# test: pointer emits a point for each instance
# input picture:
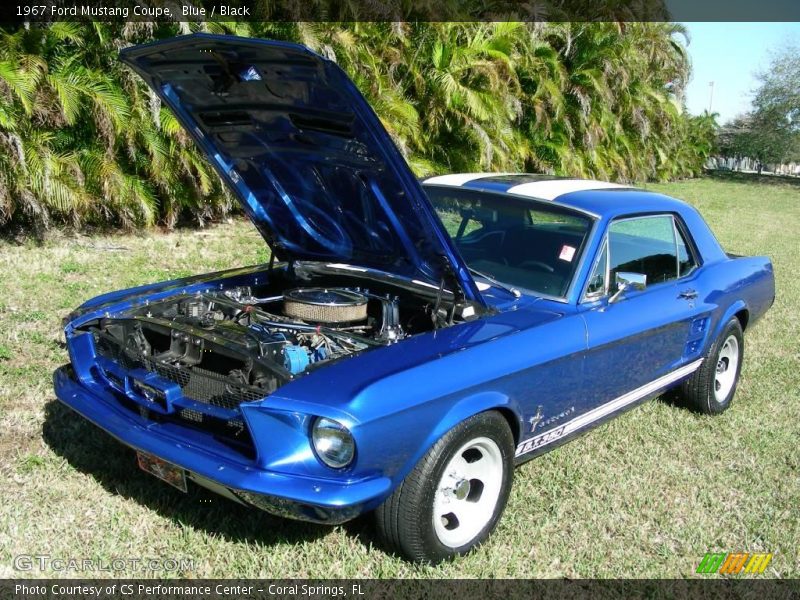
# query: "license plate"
(165, 471)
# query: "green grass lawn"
(646, 495)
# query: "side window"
(686, 262)
(645, 245)
(597, 281)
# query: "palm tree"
(83, 140)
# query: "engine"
(231, 341)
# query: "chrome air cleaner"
(325, 305)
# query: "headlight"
(333, 443)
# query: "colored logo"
(733, 563)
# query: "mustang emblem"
(535, 419)
(539, 421)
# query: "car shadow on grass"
(92, 451)
(674, 397)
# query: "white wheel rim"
(726, 368)
(467, 494)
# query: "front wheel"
(454, 497)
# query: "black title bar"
(369, 589)
(164, 11)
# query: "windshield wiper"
(511, 290)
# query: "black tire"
(703, 390)
(405, 521)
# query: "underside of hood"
(304, 153)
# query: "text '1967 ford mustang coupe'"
(409, 342)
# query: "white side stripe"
(552, 189)
(605, 409)
(461, 178)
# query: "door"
(640, 340)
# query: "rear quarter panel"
(742, 286)
(729, 285)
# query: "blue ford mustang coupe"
(409, 343)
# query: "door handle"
(688, 294)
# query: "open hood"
(305, 154)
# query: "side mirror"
(625, 280)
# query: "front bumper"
(285, 495)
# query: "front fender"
(462, 410)
(472, 405)
(418, 390)
(408, 439)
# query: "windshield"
(522, 244)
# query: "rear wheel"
(454, 497)
(711, 388)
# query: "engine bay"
(239, 343)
